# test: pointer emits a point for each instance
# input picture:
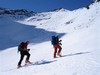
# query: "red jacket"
(23, 45)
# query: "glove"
(60, 40)
(60, 43)
(28, 49)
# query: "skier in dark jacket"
(22, 48)
(56, 44)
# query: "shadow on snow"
(80, 53)
(42, 62)
(12, 33)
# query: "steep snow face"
(48, 20)
(70, 20)
(80, 43)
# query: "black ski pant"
(23, 53)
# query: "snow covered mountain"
(78, 29)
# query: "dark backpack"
(54, 40)
(20, 46)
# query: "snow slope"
(80, 46)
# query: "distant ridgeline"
(4, 11)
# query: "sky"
(44, 5)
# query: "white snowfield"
(80, 35)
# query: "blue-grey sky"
(44, 5)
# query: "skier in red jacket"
(23, 51)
